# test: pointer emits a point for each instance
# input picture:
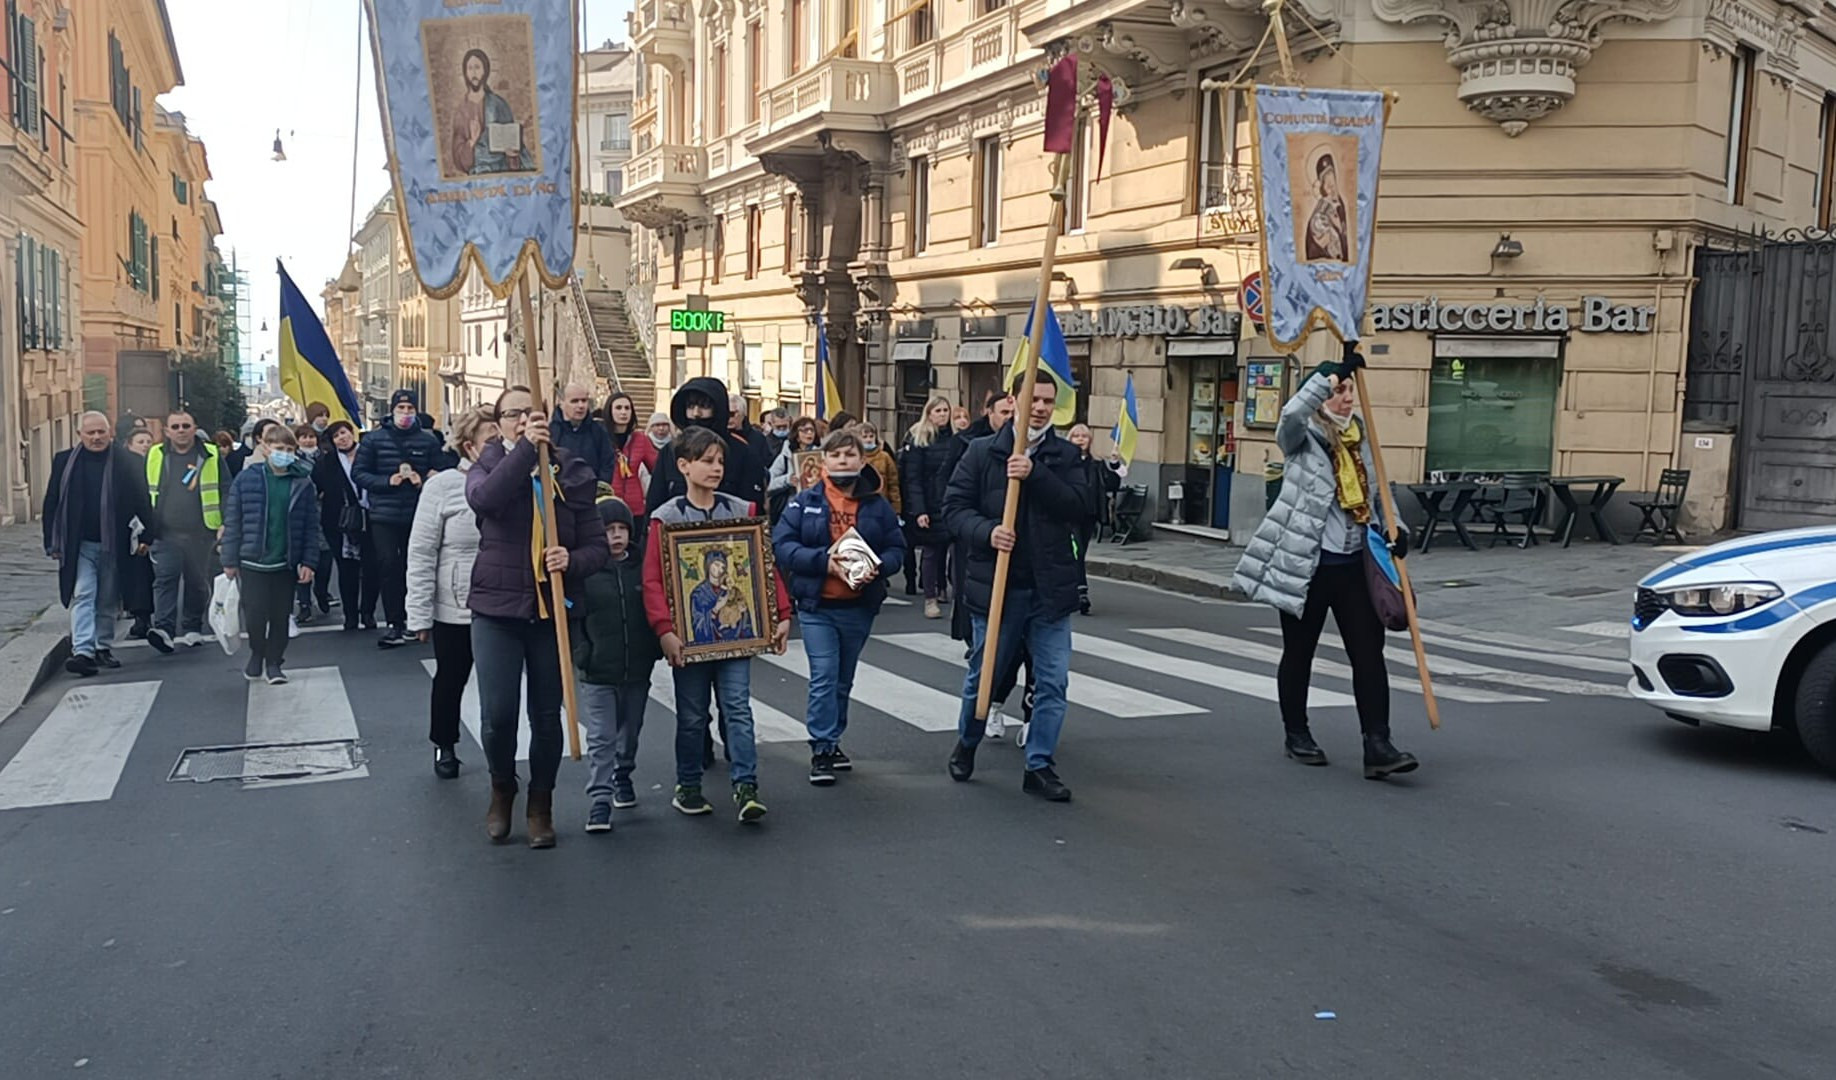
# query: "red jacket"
(625, 482)
(675, 511)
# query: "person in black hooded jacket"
(702, 402)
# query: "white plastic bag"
(226, 613)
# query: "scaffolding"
(233, 328)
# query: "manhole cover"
(267, 761)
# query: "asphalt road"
(1572, 886)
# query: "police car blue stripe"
(1776, 612)
(1729, 554)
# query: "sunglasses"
(180, 427)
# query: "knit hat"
(613, 511)
(402, 395)
(659, 417)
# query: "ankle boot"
(497, 818)
(541, 819)
(1382, 760)
(1299, 746)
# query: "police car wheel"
(1815, 712)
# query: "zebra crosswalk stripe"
(923, 707)
(1101, 695)
(1256, 650)
(78, 753)
(311, 706)
(769, 725)
(1204, 674)
(1442, 664)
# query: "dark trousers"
(505, 650)
(320, 585)
(267, 601)
(930, 558)
(452, 644)
(389, 544)
(1338, 587)
(137, 586)
(184, 568)
(1085, 533)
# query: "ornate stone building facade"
(1551, 171)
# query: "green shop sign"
(698, 322)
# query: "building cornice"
(1517, 58)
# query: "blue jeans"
(94, 600)
(1048, 642)
(730, 682)
(833, 637)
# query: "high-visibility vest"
(210, 483)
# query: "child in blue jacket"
(837, 617)
(271, 545)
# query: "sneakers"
(160, 640)
(932, 609)
(1045, 784)
(106, 658)
(689, 800)
(822, 769)
(392, 637)
(1026, 729)
(293, 627)
(81, 665)
(192, 639)
(997, 724)
(446, 763)
(1382, 760)
(599, 818)
(252, 670)
(746, 797)
(306, 616)
(841, 761)
(276, 677)
(624, 796)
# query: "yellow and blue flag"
(309, 368)
(828, 394)
(1128, 425)
(1054, 364)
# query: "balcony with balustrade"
(663, 186)
(663, 32)
(838, 104)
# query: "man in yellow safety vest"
(185, 477)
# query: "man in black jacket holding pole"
(1042, 575)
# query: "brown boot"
(497, 818)
(541, 819)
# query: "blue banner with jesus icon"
(1317, 154)
(478, 114)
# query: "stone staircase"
(612, 327)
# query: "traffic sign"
(1249, 297)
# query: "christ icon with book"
(485, 137)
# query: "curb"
(29, 660)
(1173, 579)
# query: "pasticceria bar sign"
(1598, 315)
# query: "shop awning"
(1201, 346)
(978, 352)
(1447, 346)
(911, 350)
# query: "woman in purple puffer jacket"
(513, 632)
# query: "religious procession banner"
(1317, 154)
(478, 114)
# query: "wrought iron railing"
(602, 358)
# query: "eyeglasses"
(180, 427)
(512, 414)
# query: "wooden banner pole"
(1010, 511)
(1402, 567)
(551, 494)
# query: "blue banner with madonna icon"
(478, 114)
(1317, 154)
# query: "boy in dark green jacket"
(615, 652)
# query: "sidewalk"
(33, 629)
(1578, 599)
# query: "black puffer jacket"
(1054, 500)
(923, 476)
(381, 453)
(745, 473)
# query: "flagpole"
(1010, 512)
(550, 483)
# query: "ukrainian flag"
(1128, 425)
(1054, 363)
(309, 368)
(828, 394)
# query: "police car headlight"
(1713, 600)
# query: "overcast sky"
(253, 67)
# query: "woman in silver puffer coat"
(1307, 559)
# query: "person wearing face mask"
(702, 402)
(777, 432)
(318, 417)
(343, 521)
(270, 545)
(621, 428)
(647, 451)
(837, 614)
(782, 482)
(881, 460)
(1307, 559)
(390, 467)
(1041, 578)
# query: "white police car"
(1744, 634)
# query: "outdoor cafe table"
(1604, 487)
(1434, 500)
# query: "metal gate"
(1760, 361)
